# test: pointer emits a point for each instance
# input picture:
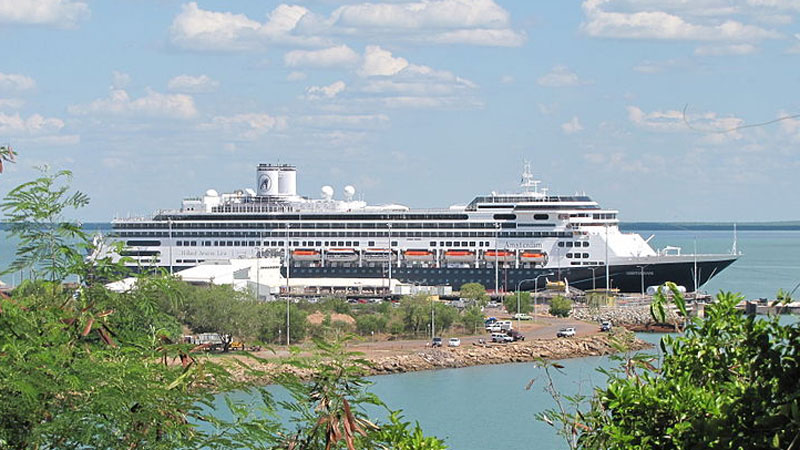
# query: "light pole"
(641, 270)
(536, 287)
(288, 289)
(389, 225)
(593, 269)
(433, 319)
(496, 265)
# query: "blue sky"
(426, 103)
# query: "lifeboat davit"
(459, 256)
(498, 255)
(533, 256)
(306, 254)
(418, 255)
(379, 255)
(341, 255)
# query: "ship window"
(541, 216)
(194, 243)
(569, 255)
(586, 244)
(578, 244)
(355, 244)
(432, 243)
(472, 244)
(585, 255)
(449, 243)
(371, 243)
(561, 244)
(456, 244)
(394, 244)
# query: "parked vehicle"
(505, 325)
(516, 335)
(566, 332)
(490, 320)
(494, 328)
(454, 342)
(605, 325)
(501, 338)
(522, 316)
(437, 342)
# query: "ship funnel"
(276, 180)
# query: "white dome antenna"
(349, 192)
(327, 192)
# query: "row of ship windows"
(297, 243)
(577, 255)
(348, 234)
(319, 226)
(573, 244)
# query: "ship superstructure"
(503, 241)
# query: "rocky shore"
(634, 317)
(475, 355)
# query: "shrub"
(560, 306)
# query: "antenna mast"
(528, 184)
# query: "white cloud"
(193, 84)
(51, 140)
(560, 76)
(33, 125)
(198, 29)
(472, 22)
(120, 80)
(330, 91)
(11, 103)
(339, 56)
(572, 127)
(640, 20)
(380, 62)
(296, 76)
(153, 104)
(722, 50)
(675, 121)
(344, 120)
(16, 82)
(248, 126)
(62, 13)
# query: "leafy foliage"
(560, 306)
(475, 292)
(525, 303)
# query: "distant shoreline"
(624, 226)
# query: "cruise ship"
(502, 241)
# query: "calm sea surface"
(488, 407)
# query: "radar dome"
(212, 193)
(349, 192)
(327, 192)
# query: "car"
(522, 316)
(454, 342)
(505, 325)
(566, 332)
(501, 338)
(605, 325)
(494, 328)
(437, 342)
(490, 321)
(516, 335)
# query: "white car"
(454, 342)
(522, 316)
(566, 332)
(494, 328)
(502, 338)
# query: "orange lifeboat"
(533, 256)
(379, 255)
(418, 255)
(459, 256)
(498, 255)
(306, 254)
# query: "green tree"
(272, 323)
(445, 316)
(368, 324)
(525, 303)
(474, 292)
(35, 211)
(472, 319)
(6, 154)
(416, 313)
(560, 306)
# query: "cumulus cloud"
(35, 129)
(193, 84)
(344, 120)
(120, 80)
(198, 29)
(338, 56)
(472, 22)
(11, 103)
(16, 82)
(380, 62)
(152, 104)
(638, 19)
(717, 128)
(722, 50)
(248, 126)
(329, 91)
(61, 13)
(560, 76)
(572, 127)
(296, 76)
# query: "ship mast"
(528, 184)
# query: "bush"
(560, 306)
(525, 303)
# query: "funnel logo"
(264, 183)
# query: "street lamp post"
(496, 265)
(594, 285)
(535, 289)
(641, 270)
